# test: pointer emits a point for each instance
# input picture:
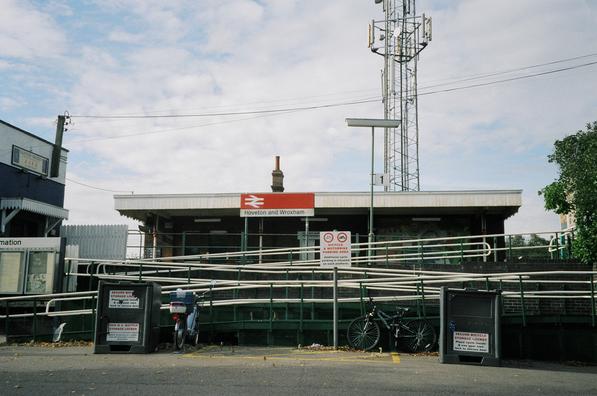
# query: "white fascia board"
(423, 199)
(420, 199)
(177, 201)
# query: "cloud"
(227, 25)
(26, 32)
(91, 206)
(161, 21)
(155, 57)
(472, 40)
(5, 65)
(532, 217)
(160, 79)
(7, 103)
(121, 36)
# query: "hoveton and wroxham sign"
(277, 205)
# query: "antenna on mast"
(399, 38)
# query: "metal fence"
(98, 241)
(288, 285)
(541, 245)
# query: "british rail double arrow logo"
(254, 201)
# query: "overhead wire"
(509, 79)
(259, 115)
(288, 110)
(448, 82)
(268, 112)
(329, 105)
(455, 80)
(230, 113)
(276, 102)
(273, 112)
(98, 188)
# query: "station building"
(184, 224)
(31, 186)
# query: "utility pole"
(57, 150)
(399, 38)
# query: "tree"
(575, 190)
(536, 240)
(517, 241)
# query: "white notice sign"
(471, 342)
(334, 248)
(123, 299)
(123, 332)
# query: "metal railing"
(300, 284)
(551, 244)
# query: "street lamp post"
(372, 123)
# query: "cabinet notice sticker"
(471, 342)
(123, 332)
(123, 299)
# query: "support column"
(260, 238)
(370, 250)
(335, 308)
(483, 232)
(6, 218)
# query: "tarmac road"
(214, 370)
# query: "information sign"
(471, 342)
(123, 299)
(123, 332)
(334, 248)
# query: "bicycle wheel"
(417, 336)
(363, 333)
(180, 336)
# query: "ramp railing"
(394, 272)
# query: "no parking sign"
(334, 248)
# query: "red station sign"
(277, 205)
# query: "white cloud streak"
(27, 33)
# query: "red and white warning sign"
(123, 299)
(334, 248)
(471, 342)
(123, 332)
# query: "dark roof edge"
(30, 134)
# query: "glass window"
(40, 273)
(11, 272)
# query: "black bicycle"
(416, 335)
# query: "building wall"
(11, 135)
(19, 183)
(16, 182)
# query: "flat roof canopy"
(504, 202)
(31, 205)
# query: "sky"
(200, 57)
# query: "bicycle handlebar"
(400, 310)
(198, 298)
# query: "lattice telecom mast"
(399, 38)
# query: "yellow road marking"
(395, 357)
(296, 358)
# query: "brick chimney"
(277, 177)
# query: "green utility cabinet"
(127, 317)
(470, 327)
